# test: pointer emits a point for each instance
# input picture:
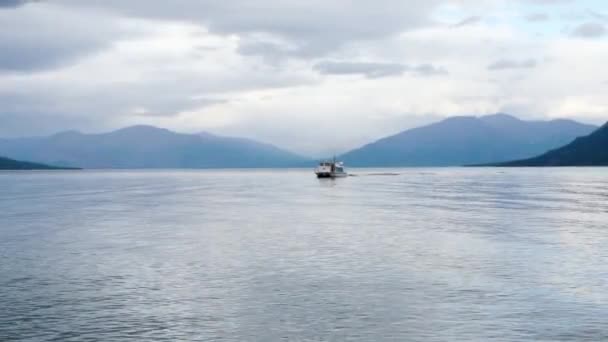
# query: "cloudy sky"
(314, 76)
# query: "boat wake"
(374, 174)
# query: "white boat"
(330, 169)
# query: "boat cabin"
(330, 170)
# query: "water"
(423, 255)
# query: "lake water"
(449, 254)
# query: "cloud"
(590, 30)
(468, 21)
(375, 70)
(369, 70)
(199, 103)
(428, 70)
(537, 17)
(170, 70)
(33, 39)
(14, 3)
(308, 28)
(505, 64)
(597, 15)
(272, 52)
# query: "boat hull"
(331, 175)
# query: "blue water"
(423, 255)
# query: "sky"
(316, 77)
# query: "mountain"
(148, 147)
(11, 164)
(591, 150)
(467, 140)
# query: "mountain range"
(455, 141)
(591, 150)
(11, 164)
(467, 140)
(148, 147)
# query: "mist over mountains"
(454, 141)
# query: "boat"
(330, 169)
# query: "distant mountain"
(148, 147)
(11, 164)
(591, 150)
(467, 140)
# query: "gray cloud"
(505, 64)
(369, 70)
(36, 41)
(428, 70)
(375, 70)
(537, 17)
(308, 28)
(590, 30)
(272, 53)
(468, 21)
(14, 3)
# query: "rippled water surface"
(423, 255)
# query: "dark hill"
(11, 164)
(591, 150)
